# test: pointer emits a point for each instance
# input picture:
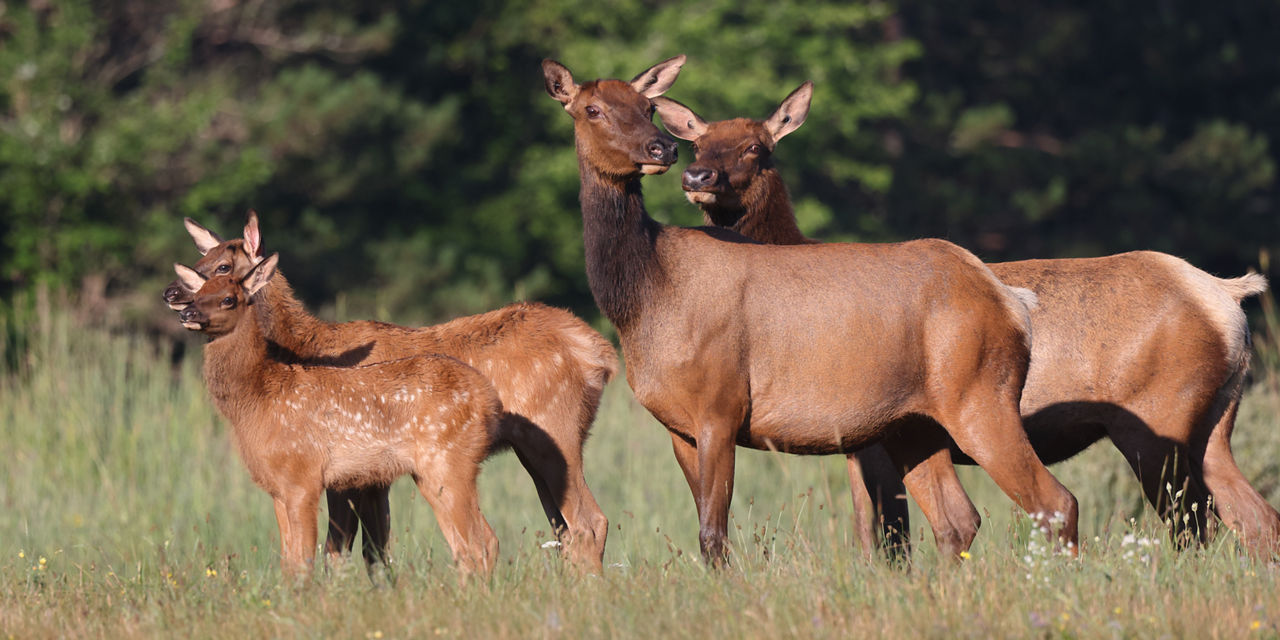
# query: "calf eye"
(228, 302)
(755, 149)
(592, 112)
(223, 268)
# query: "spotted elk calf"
(549, 368)
(1140, 347)
(300, 429)
(815, 349)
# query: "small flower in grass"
(965, 555)
(374, 634)
(266, 602)
(22, 553)
(1117, 611)
(44, 562)
(1257, 624)
(211, 572)
(551, 544)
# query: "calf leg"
(450, 488)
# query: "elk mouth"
(701, 197)
(194, 326)
(652, 169)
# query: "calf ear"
(680, 120)
(260, 274)
(253, 238)
(655, 80)
(559, 82)
(189, 278)
(791, 114)
(204, 238)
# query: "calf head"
(220, 257)
(221, 302)
(613, 120)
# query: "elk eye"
(694, 146)
(755, 149)
(592, 112)
(223, 268)
(228, 302)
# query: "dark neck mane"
(619, 238)
(764, 215)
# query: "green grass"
(124, 512)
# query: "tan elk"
(1141, 347)
(806, 349)
(300, 429)
(549, 368)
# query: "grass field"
(124, 512)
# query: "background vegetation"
(405, 159)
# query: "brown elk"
(300, 429)
(548, 366)
(812, 350)
(1140, 347)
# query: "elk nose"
(171, 293)
(188, 315)
(695, 178)
(662, 149)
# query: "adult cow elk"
(300, 429)
(1141, 347)
(812, 350)
(548, 366)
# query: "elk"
(300, 429)
(1141, 347)
(549, 368)
(815, 349)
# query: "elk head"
(220, 302)
(231, 257)
(730, 155)
(613, 120)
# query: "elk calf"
(1141, 347)
(549, 368)
(302, 429)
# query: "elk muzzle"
(663, 153)
(176, 296)
(192, 318)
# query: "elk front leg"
(296, 511)
(716, 449)
(879, 498)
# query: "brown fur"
(812, 350)
(548, 366)
(301, 429)
(1140, 347)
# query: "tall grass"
(125, 512)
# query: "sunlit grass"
(125, 512)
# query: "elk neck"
(236, 368)
(284, 320)
(620, 241)
(763, 212)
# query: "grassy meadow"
(124, 512)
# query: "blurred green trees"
(407, 163)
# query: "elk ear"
(253, 238)
(204, 238)
(655, 80)
(189, 278)
(260, 275)
(559, 82)
(791, 114)
(680, 120)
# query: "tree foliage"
(406, 162)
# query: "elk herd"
(906, 358)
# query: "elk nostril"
(656, 150)
(170, 294)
